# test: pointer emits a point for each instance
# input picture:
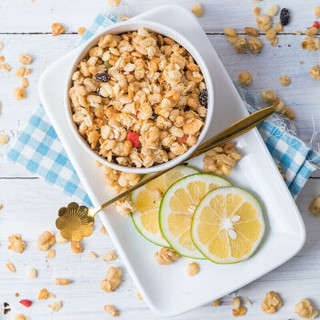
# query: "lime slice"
(177, 208)
(147, 201)
(228, 225)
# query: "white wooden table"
(30, 204)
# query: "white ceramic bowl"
(183, 41)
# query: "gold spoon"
(76, 222)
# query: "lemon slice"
(177, 208)
(147, 201)
(228, 225)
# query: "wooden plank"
(29, 208)
(40, 15)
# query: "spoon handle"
(238, 128)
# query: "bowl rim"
(128, 26)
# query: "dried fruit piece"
(26, 303)
(57, 29)
(284, 16)
(245, 78)
(197, 9)
(316, 24)
(203, 97)
(103, 77)
(271, 303)
(315, 204)
(192, 269)
(112, 310)
(10, 266)
(305, 310)
(133, 137)
(285, 80)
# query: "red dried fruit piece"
(26, 303)
(133, 137)
(316, 24)
(184, 138)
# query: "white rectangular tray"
(167, 289)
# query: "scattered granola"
(43, 294)
(271, 303)
(19, 93)
(114, 2)
(251, 31)
(305, 310)
(32, 273)
(315, 206)
(317, 11)
(221, 159)
(112, 310)
(24, 59)
(2, 59)
(24, 83)
(19, 317)
(51, 254)
(112, 279)
(22, 72)
(109, 256)
(124, 207)
(1, 45)
(76, 247)
(139, 295)
(166, 256)
(118, 181)
(264, 22)
(240, 44)
(255, 45)
(46, 240)
(60, 239)
(256, 11)
(16, 244)
(278, 27)
(61, 282)
(312, 31)
(237, 309)
(197, 9)
(245, 78)
(134, 94)
(103, 230)
(216, 303)
(273, 10)
(285, 80)
(192, 269)
(81, 30)
(57, 29)
(10, 266)
(5, 67)
(3, 139)
(124, 18)
(56, 306)
(311, 43)
(314, 72)
(93, 255)
(271, 34)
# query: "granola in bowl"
(139, 99)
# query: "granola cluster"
(139, 99)
(16, 243)
(238, 310)
(112, 279)
(221, 160)
(271, 303)
(305, 310)
(166, 256)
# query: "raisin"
(187, 108)
(203, 97)
(103, 77)
(284, 16)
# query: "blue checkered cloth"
(39, 150)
